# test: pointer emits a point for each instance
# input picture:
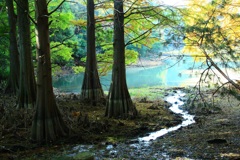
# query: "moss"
(84, 156)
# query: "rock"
(109, 147)
(217, 141)
(73, 96)
(166, 94)
(167, 104)
(132, 141)
(113, 153)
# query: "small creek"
(141, 147)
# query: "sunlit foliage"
(61, 34)
(212, 30)
(144, 24)
(105, 60)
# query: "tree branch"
(140, 37)
(56, 7)
(62, 42)
(33, 21)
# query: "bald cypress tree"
(91, 87)
(47, 124)
(27, 83)
(13, 81)
(119, 104)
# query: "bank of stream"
(140, 147)
(104, 135)
(215, 135)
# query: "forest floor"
(215, 135)
(87, 122)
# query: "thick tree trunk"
(27, 84)
(91, 87)
(119, 103)
(13, 81)
(48, 124)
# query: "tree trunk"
(119, 103)
(13, 81)
(91, 87)
(27, 84)
(47, 124)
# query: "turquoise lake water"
(169, 73)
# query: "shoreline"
(147, 63)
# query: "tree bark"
(91, 87)
(47, 124)
(27, 83)
(119, 104)
(13, 81)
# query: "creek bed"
(140, 147)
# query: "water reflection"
(137, 77)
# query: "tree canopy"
(201, 28)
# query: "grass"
(150, 93)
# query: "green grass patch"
(150, 93)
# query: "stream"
(140, 147)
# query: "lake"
(172, 72)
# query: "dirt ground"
(88, 124)
(215, 135)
